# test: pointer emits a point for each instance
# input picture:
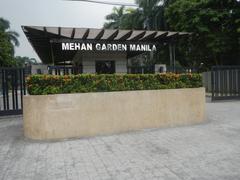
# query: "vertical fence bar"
(21, 85)
(6, 83)
(234, 82)
(217, 83)
(3, 89)
(12, 81)
(16, 87)
(212, 83)
(221, 82)
(238, 74)
(225, 83)
(230, 82)
(24, 83)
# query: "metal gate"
(225, 82)
(12, 89)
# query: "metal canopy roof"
(40, 38)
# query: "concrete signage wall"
(91, 114)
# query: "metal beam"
(170, 56)
(136, 35)
(59, 31)
(66, 40)
(113, 35)
(52, 55)
(100, 34)
(86, 34)
(73, 33)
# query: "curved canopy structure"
(45, 40)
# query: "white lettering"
(114, 47)
(138, 48)
(98, 47)
(132, 47)
(83, 47)
(65, 46)
(124, 47)
(154, 48)
(104, 47)
(148, 48)
(108, 47)
(89, 47)
(71, 46)
(77, 46)
(143, 47)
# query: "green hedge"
(50, 84)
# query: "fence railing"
(61, 70)
(12, 89)
(225, 82)
(141, 69)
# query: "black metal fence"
(225, 82)
(179, 70)
(141, 69)
(64, 70)
(12, 89)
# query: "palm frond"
(13, 37)
(4, 24)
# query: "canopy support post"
(170, 56)
(52, 56)
(174, 57)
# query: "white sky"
(52, 13)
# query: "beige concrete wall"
(91, 114)
(88, 60)
(42, 67)
(89, 66)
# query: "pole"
(52, 55)
(174, 57)
(170, 55)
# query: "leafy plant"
(83, 83)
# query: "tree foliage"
(21, 61)
(12, 35)
(6, 51)
(215, 25)
(124, 18)
(8, 39)
(115, 18)
(149, 16)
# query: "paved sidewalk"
(207, 151)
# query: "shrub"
(51, 84)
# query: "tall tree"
(124, 18)
(12, 35)
(8, 39)
(6, 51)
(132, 19)
(149, 15)
(215, 25)
(21, 61)
(115, 18)
(153, 13)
